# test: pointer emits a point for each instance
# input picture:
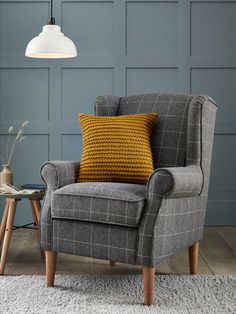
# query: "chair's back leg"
(148, 284)
(51, 259)
(193, 252)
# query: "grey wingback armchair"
(130, 223)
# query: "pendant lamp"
(51, 43)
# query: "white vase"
(6, 176)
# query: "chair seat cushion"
(105, 202)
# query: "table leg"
(4, 221)
(34, 220)
(7, 236)
(36, 208)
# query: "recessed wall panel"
(80, 87)
(151, 81)
(152, 28)
(90, 26)
(24, 94)
(213, 26)
(222, 190)
(19, 23)
(223, 173)
(29, 155)
(26, 164)
(71, 147)
(219, 84)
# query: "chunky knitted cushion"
(116, 148)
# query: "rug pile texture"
(117, 294)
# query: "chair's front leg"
(148, 284)
(51, 259)
(193, 252)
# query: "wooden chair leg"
(51, 259)
(148, 284)
(112, 263)
(193, 252)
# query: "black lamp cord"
(51, 20)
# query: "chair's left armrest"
(176, 182)
(57, 174)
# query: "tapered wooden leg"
(4, 221)
(33, 214)
(193, 252)
(51, 259)
(148, 284)
(112, 263)
(7, 235)
(36, 208)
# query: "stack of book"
(34, 186)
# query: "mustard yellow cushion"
(116, 148)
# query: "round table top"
(33, 196)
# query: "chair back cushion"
(170, 132)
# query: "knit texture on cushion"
(117, 148)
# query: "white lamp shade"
(52, 44)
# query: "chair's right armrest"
(57, 174)
(176, 182)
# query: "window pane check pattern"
(106, 202)
(173, 213)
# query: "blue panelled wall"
(124, 48)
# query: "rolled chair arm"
(176, 182)
(164, 184)
(57, 174)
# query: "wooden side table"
(8, 218)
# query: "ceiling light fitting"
(51, 43)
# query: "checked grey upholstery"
(109, 203)
(129, 223)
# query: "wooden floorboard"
(229, 235)
(217, 256)
(179, 264)
(216, 252)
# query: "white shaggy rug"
(117, 294)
